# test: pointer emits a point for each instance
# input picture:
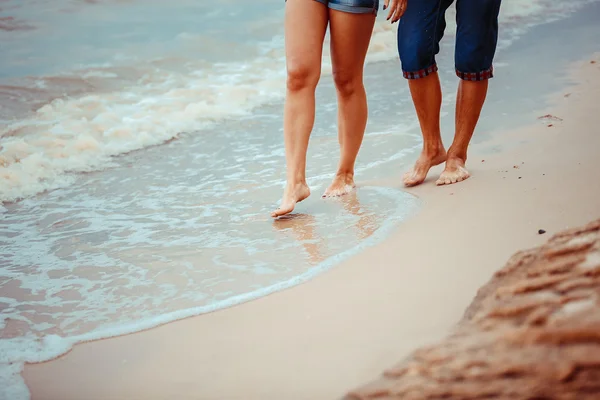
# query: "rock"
(532, 332)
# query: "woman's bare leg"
(305, 26)
(350, 37)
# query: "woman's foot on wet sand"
(293, 194)
(426, 160)
(342, 184)
(454, 172)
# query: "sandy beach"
(531, 332)
(338, 331)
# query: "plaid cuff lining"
(420, 73)
(476, 76)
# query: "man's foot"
(455, 171)
(425, 161)
(293, 193)
(342, 184)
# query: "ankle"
(454, 156)
(296, 183)
(345, 173)
(434, 149)
(296, 180)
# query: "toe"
(449, 178)
(413, 179)
(409, 177)
(338, 191)
(282, 211)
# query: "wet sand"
(319, 339)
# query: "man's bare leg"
(350, 37)
(305, 26)
(469, 102)
(427, 97)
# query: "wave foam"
(81, 132)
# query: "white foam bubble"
(15, 352)
(82, 134)
(12, 385)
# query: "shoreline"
(280, 346)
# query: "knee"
(347, 83)
(301, 76)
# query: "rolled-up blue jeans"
(422, 27)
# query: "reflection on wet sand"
(304, 226)
(368, 220)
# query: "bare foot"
(293, 193)
(455, 171)
(342, 184)
(425, 161)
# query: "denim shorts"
(353, 6)
(422, 27)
